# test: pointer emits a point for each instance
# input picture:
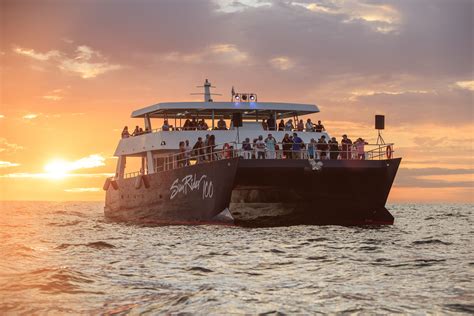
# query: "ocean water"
(58, 258)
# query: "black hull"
(194, 194)
(294, 192)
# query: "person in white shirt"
(260, 147)
(309, 126)
(270, 143)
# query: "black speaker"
(237, 119)
(379, 122)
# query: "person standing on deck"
(309, 126)
(260, 148)
(322, 147)
(270, 143)
(210, 147)
(319, 127)
(346, 147)
(312, 149)
(125, 133)
(360, 146)
(182, 155)
(271, 123)
(281, 125)
(247, 148)
(221, 125)
(188, 151)
(297, 145)
(286, 144)
(199, 150)
(289, 125)
(333, 148)
(300, 126)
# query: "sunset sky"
(73, 71)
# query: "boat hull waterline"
(259, 193)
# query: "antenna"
(207, 91)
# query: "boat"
(225, 182)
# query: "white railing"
(233, 150)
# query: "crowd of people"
(290, 147)
(293, 147)
(137, 131)
(201, 125)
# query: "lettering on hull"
(191, 183)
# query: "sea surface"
(58, 258)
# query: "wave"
(431, 241)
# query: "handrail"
(210, 153)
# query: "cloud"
(81, 63)
(215, 53)
(81, 190)
(43, 175)
(64, 167)
(468, 85)
(282, 63)
(7, 164)
(35, 55)
(54, 95)
(383, 18)
(30, 116)
(6, 147)
(230, 6)
(435, 178)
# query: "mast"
(207, 91)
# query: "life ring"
(388, 152)
(226, 151)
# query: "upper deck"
(209, 110)
(253, 113)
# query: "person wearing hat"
(346, 147)
(333, 148)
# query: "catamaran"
(223, 181)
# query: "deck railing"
(233, 150)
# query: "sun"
(57, 169)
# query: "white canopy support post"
(120, 171)
(212, 119)
(149, 162)
(147, 122)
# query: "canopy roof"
(225, 109)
